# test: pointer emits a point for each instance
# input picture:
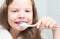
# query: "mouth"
(22, 23)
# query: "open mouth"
(22, 23)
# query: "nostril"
(21, 17)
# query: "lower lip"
(17, 24)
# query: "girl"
(17, 11)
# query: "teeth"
(23, 23)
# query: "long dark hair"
(29, 33)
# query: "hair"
(29, 33)
(1, 10)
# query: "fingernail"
(37, 27)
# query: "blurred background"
(1, 2)
(47, 8)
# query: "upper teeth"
(23, 23)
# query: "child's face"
(20, 10)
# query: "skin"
(21, 10)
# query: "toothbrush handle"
(56, 26)
(31, 25)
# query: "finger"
(38, 23)
(46, 22)
(51, 25)
(42, 21)
(42, 27)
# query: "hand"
(46, 23)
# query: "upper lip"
(20, 21)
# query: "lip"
(21, 21)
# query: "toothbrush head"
(23, 24)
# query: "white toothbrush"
(23, 24)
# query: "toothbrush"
(23, 24)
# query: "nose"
(21, 15)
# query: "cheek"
(11, 16)
(30, 18)
(11, 19)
